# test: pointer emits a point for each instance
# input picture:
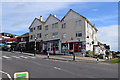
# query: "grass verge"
(115, 61)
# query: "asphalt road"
(44, 68)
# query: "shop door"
(71, 46)
(77, 48)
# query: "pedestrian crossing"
(17, 57)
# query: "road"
(45, 68)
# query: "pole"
(48, 55)
(35, 48)
(73, 56)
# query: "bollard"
(73, 57)
(48, 55)
(97, 60)
(34, 54)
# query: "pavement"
(40, 67)
(68, 58)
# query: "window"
(34, 36)
(77, 23)
(39, 35)
(63, 36)
(34, 28)
(78, 34)
(39, 27)
(63, 25)
(46, 35)
(55, 25)
(55, 34)
(46, 27)
(31, 36)
(31, 29)
(22, 39)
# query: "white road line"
(23, 57)
(57, 68)
(16, 57)
(6, 57)
(7, 74)
(31, 57)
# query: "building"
(101, 49)
(73, 32)
(23, 42)
(9, 39)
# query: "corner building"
(72, 33)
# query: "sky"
(18, 16)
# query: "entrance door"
(71, 46)
(77, 47)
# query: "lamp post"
(35, 47)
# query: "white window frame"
(55, 34)
(78, 35)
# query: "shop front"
(72, 46)
(52, 46)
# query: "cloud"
(104, 18)
(109, 35)
(19, 15)
(94, 10)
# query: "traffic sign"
(21, 76)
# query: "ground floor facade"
(59, 47)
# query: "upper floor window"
(55, 34)
(78, 34)
(22, 39)
(63, 36)
(78, 23)
(39, 27)
(46, 35)
(55, 25)
(39, 35)
(31, 29)
(63, 25)
(34, 28)
(46, 27)
(31, 36)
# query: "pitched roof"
(24, 35)
(38, 20)
(81, 16)
(50, 16)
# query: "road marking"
(23, 57)
(6, 57)
(16, 57)
(57, 68)
(7, 74)
(31, 57)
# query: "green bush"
(100, 56)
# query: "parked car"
(6, 48)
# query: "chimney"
(54, 15)
(40, 18)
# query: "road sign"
(21, 76)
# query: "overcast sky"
(18, 16)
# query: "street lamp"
(35, 47)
